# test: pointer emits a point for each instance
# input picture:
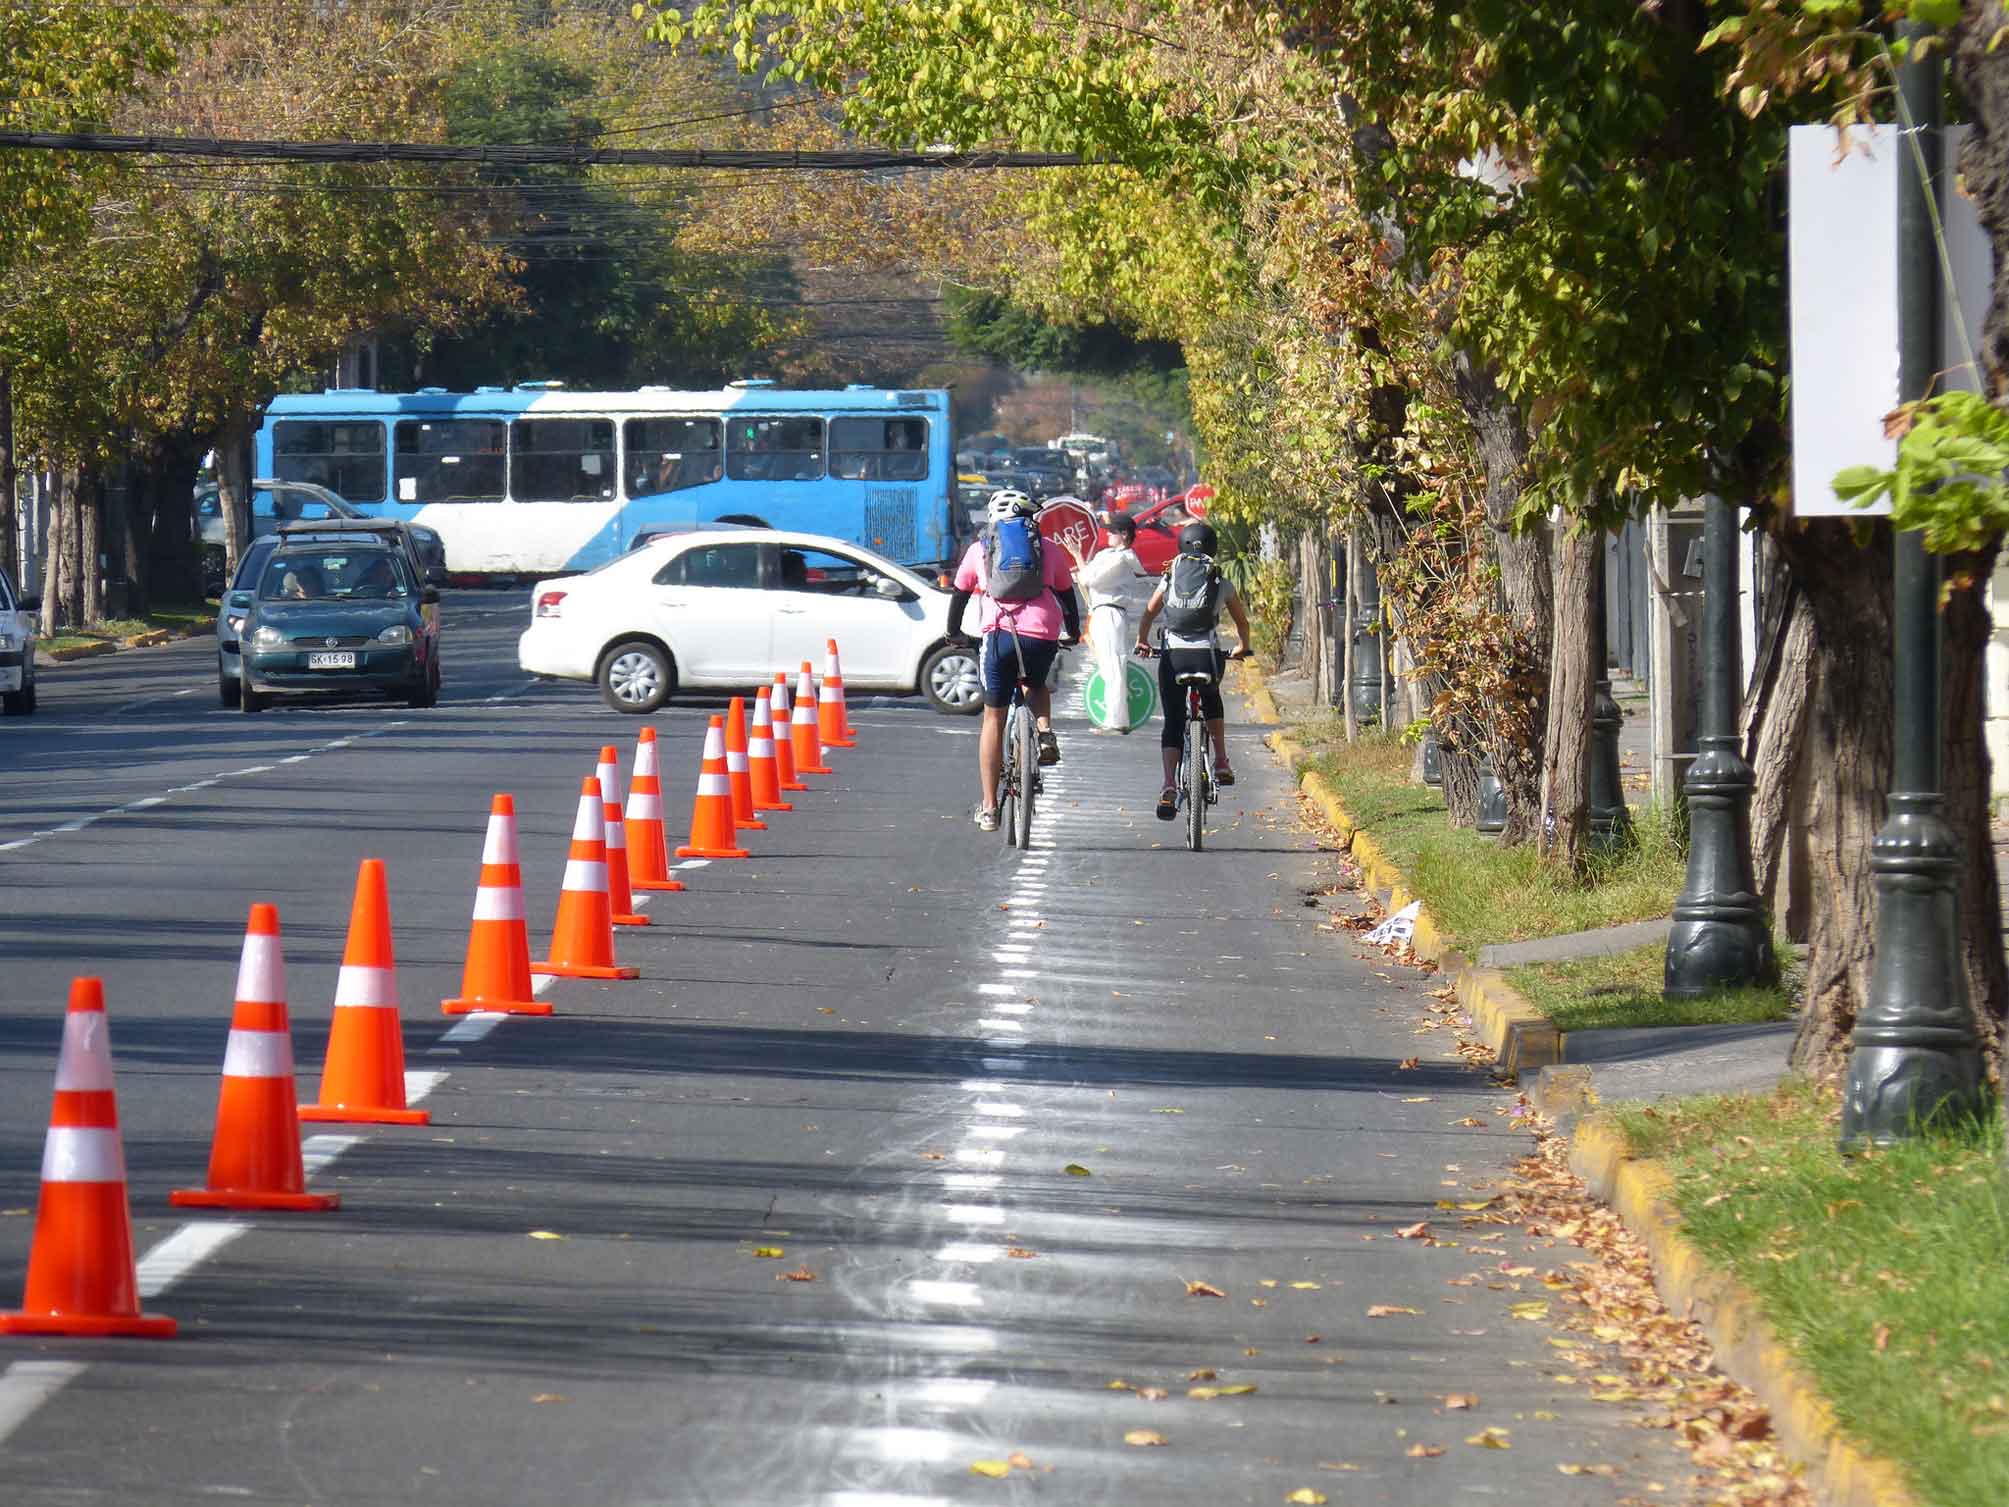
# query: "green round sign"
(1143, 697)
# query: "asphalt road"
(879, 1046)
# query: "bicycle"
(1021, 753)
(1196, 787)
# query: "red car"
(1158, 526)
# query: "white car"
(724, 609)
(17, 650)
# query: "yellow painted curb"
(77, 651)
(147, 639)
(1522, 1038)
(1746, 1347)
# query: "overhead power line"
(526, 155)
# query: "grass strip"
(1479, 891)
(177, 617)
(1883, 1273)
(1623, 989)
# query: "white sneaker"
(986, 818)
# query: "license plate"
(343, 660)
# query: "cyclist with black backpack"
(1191, 597)
(1029, 611)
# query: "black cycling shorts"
(1171, 664)
(1000, 664)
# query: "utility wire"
(524, 155)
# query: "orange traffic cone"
(363, 1079)
(739, 776)
(711, 815)
(802, 727)
(761, 767)
(81, 1278)
(648, 850)
(582, 937)
(497, 974)
(619, 898)
(254, 1162)
(784, 753)
(832, 725)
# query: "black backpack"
(1192, 596)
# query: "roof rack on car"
(342, 526)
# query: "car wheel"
(249, 700)
(14, 703)
(952, 682)
(636, 676)
(226, 689)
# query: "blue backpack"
(1014, 568)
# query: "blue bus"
(534, 480)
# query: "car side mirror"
(429, 595)
(27, 604)
(239, 599)
(886, 586)
(435, 576)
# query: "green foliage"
(1624, 990)
(1267, 589)
(1948, 478)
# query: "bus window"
(347, 459)
(667, 455)
(561, 460)
(775, 449)
(879, 449)
(450, 460)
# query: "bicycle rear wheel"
(1008, 782)
(1026, 745)
(1196, 784)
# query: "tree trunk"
(125, 520)
(1460, 773)
(9, 514)
(90, 548)
(1566, 750)
(1349, 605)
(1967, 779)
(1773, 724)
(1527, 599)
(58, 564)
(233, 488)
(174, 558)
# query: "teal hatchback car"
(338, 612)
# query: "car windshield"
(335, 575)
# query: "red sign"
(1069, 523)
(1196, 500)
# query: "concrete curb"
(153, 638)
(1747, 1348)
(1521, 1037)
(75, 651)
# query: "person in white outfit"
(1118, 589)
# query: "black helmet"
(1120, 525)
(1198, 539)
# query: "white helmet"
(1008, 503)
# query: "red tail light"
(548, 604)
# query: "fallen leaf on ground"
(997, 1470)
(800, 1274)
(1119, 1385)
(1020, 1253)
(1461, 1400)
(1529, 1310)
(550, 1397)
(1075, 1169)
(1493, 1438)
(1389, 1310)
(1144, 1437)
(1417, 1231)
(1407, 1064)
(1203, 1290)
(1266, 1282)
(1205, 1373)
(545, 1235)
(768, 1252)
(1021, 1459)
(1305, 1286)
(1425, 1451)
(1313, 1339)
(1153, 1394)
(1588, 1470)
(934, 1156)
(1469, 1120)
(1306, 1495)
(1417, 1099)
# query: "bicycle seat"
(1196, 677)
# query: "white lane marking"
(1012, 1007)
(1018, 973)
(542, 982)
(996, 989)
(419, 1084)
(947, 1294)
(232, 774)
(1002, 1064)
(969, 1251)
(19, 842)
(144, 802)
(955, 1391)
(183, 1251)
(27, 1384)
(296, 758)
(317, 1152)
(76, 825)
(913, 1446)
(996, 1132)
(981, 1086)
(1010, 954)
(693, 863)
(971, 1182)
(979, 1156)
(885, 1498)
(469, 1028)
(995, 1106)
(993, 1023)
(974, 1213)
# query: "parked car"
(274, 504)
(724, 610)
(17, 649)
(338, 608)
